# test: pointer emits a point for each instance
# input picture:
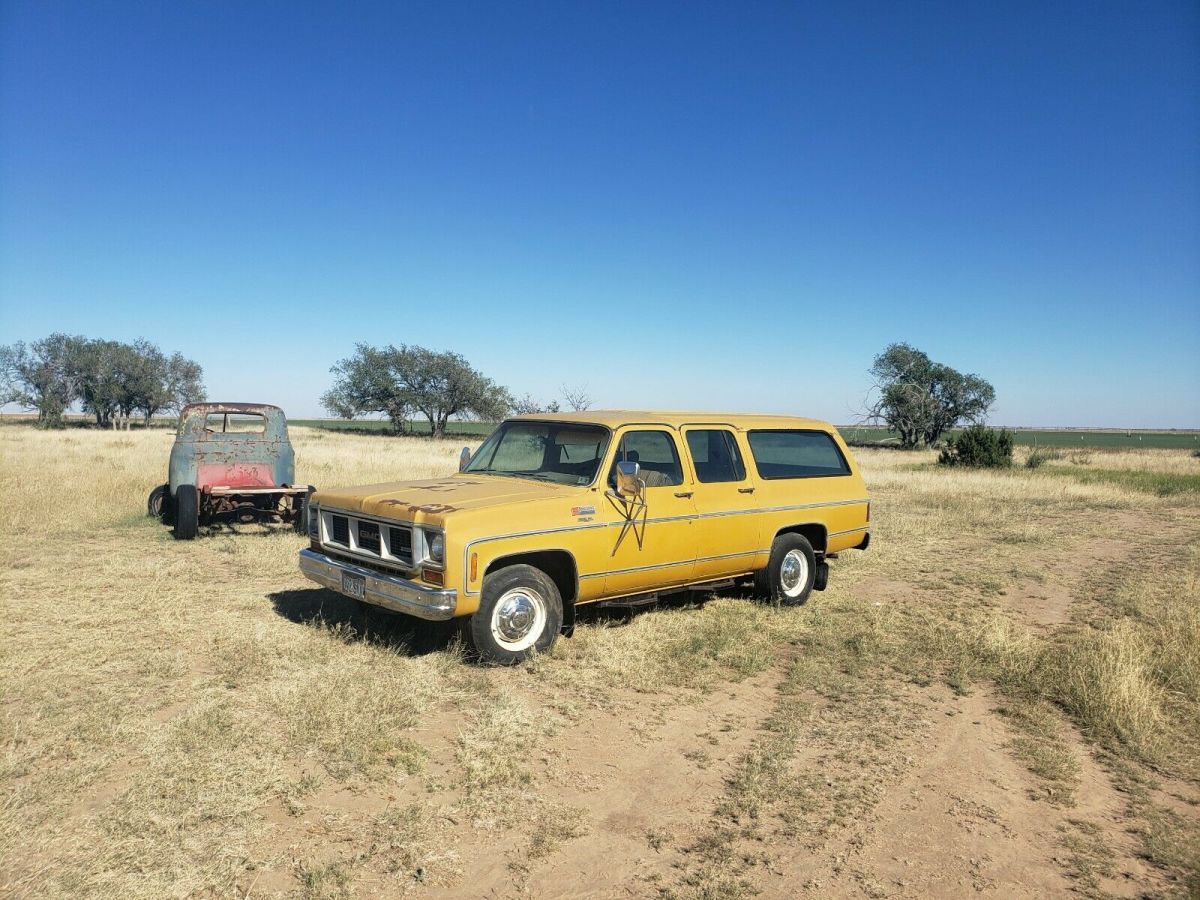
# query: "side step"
(639, 600)
(629, 602)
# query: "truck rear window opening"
(796, 454)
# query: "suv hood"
(406, 500)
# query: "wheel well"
(813, 531)
(558, 564)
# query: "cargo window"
(796, 454)
(715, 455)
(654, 452)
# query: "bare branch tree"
(577, 397)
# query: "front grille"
(401, 543)
(341, 530)
(371, 538)
(368, 537)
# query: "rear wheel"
(520, 613)
(789, 576)
(156, 504)
(187, 512)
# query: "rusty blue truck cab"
(231, 462)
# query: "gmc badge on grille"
(365, 533)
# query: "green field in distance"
(1027, 437)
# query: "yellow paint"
(694, 532)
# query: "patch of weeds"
(1040, 747)
(1089, 857)
(554, 824)
(1171, 841)
(494, 756)
(328, 881)
(353, 716)
(657, 838)
(1039, 456)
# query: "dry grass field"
(1001, 697)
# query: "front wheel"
(791, 571)
(187, 512)
(520, 613)
(300, 510)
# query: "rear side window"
(715, 454)
(796, 454)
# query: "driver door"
(650, 548)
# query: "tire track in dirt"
(645, 773)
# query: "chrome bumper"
(389, 591)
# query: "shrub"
(980, 447)
(1039, 455)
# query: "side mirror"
(628, 482)
(464, 458)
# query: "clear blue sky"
(688, 205)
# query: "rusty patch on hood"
(435, 508)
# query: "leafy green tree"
(399, 381)
(920, 399)
(100, 366)
(370, 381)
(43, 375)
(185, 382)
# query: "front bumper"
(389, 591)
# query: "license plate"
(354, 585)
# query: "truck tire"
(300, 505)
(520, 613)
(187, 512)
(790, 573)
(156, 504)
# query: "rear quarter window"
(796, 454)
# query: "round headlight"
(437, 546)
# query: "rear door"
(726, 533)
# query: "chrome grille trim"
(366, 537)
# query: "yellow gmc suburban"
(554, 511)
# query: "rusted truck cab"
(231, 462)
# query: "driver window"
(654, 452)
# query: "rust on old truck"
(238, 461)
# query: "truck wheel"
(520, 612)
(156, 505)
(187, 512)
(300, 510)
(790, 573)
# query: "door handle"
(748, 490)
(683, 493)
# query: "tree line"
(405, 382)
(111, 380)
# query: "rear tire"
(789, 576)
(520, 613)
(156, 504)
(187, 512)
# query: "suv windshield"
(562, 452)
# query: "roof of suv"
(613, 418)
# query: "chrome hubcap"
(518, 619)
(515, 616)
(793, 572)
